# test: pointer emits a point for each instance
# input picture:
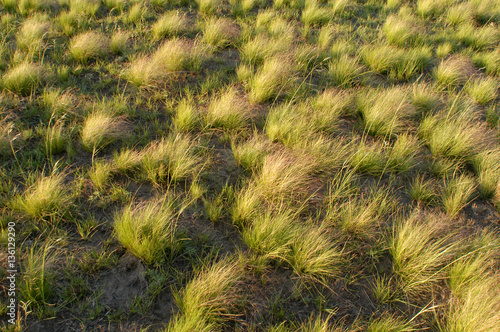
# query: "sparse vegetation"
(250, 165)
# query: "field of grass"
(251, 165)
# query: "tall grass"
(36, 285)
(458, 193)
(487, 168)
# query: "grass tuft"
(100, 129)
(270, 80)
(209, 299)
(419, 254)
(384, 112)
(149, 229)
(458, 192)
(88, 45)
(170, 24)
(23, 78)
(174, 157)
(46, 198)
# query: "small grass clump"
(423, 191)
(400, 31)
(57, 103)
(32, 34)
(455, 134)
(419, 253)
(369, 158)
(360, 215)
(270, 80)
(395, 62)
(100, 129)
(490, 61)
(187, 117)
(149, 229)
(46, 198)
(478, 38)
(458, 192)
(23, 78)
(306, 249)
(37, 278)
(6, 137)
(174, 157)
(453, 72)
(118, 42)
(171, 24)
(88, 45)
(282, 175)
(483, 90)
(228, 111)
(171, 56)
(100, 174)
(219, 32)
(209, 299)
(384, 112)
(401, 156)
(315, 15)
(55, 138)
(345, 71)
(250, 154)
(487, 168)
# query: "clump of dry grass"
(270, 80)
(88, 45)
(23, 78)
(32, 34)
(170, 24)
(454, 71)
(229, 110)
(172, 56)
(384, 112)
(174, 157)
(100, 129)
(219, 32)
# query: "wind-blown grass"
(149, 230)
(419, 253)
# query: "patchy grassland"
(251, 165)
